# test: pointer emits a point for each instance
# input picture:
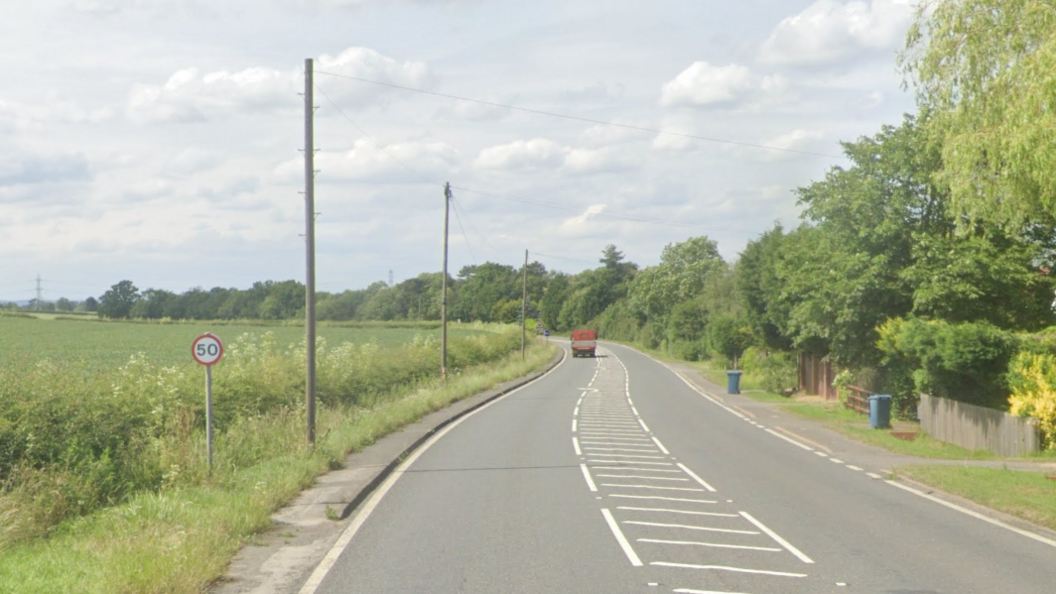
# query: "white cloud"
(51, 109)
(704, 85)
(29, 169)
(602, 135)
(402, 162)
(578, 225)
(796, 140)
(829, 32)
(191, 96)
(537, 153)
(582, 161)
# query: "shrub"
(1032, 378)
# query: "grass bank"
(179, 538)
(1027, 495)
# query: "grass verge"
(180, 540)
(856, 426)
(1027, 495)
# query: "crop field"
(100, 344)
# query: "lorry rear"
(584, 343)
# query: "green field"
(102, 344)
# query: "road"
(615, 475)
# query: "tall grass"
(180, 538)
(74, 440)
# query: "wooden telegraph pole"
(309, 241)
(524, 303)
(443, 287)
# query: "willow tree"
(985, 72)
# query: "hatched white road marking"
(691, 527)
(620, 538)
(590, 481)
(710, 544)
(788, 546)
(734, 569)
(696, 478)
(679, 511)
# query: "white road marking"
(648, 478)
(644, 426)
(679, 511)
(616, 440)
(696, 478)
(644, 451)
(874, 476)
(658, 498)
(575, 444)
(660, 445)
(573, 425)
(335, 552)
(822, 454)
(689, 527)
(635, 410)
(652, 487)
(788, 546)
(592, 461)
(629, 456)
(590, 481)
(635, 469)
(620, 538)
(734, 569)
(790, 440)
(688, 591)
(976, 515)
(835, 461)
(855, 468)
(602, 433)
(710, 544)
(575, 413)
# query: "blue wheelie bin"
(733, 383)
(880, 411)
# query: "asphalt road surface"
(614, 475)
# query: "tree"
(63, 304)
(683, 271)
(119, 300)
(983, 71)
(91, 304)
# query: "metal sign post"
(207, 350)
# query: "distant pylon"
(390, 278)
(40, 295)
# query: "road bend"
(615, 475)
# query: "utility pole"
(443, 286)
(309, 241)
(524, 303)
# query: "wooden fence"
(857, 399)
(978, 428)
(816, 376)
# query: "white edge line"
(696, 478)
(661, 446)
(776, 537)
(590, 481)
(575, 444)
(790, 440)
(642, 423)
(620, 538)
(335, 552)
(976, 515)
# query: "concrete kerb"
(281, 558)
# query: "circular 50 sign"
(207, 349)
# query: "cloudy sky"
(160, 140)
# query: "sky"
(161, 141)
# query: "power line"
(465, 237)
(424, 179)
(583, 119)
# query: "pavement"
(280, 560)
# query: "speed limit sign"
(207, 349)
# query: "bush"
(1032, 378)
(966, 362)
(776, 370)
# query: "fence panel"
(978, 428)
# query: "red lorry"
(584, 342)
